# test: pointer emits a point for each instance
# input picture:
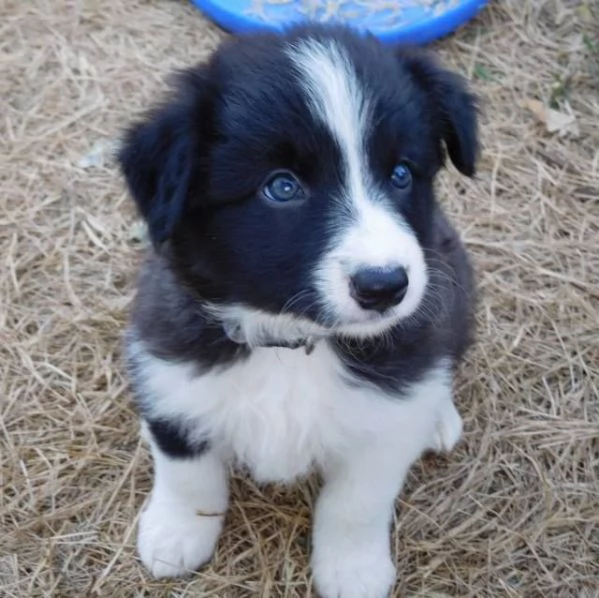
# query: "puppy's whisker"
(299, 296)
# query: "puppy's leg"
(351, 556)
(351, 553)
(179, 528)
(449, 426)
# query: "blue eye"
(401, 177)
(283, 187)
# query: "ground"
(514, 511)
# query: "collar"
(307, 344)
(235, 333)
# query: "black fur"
(173, 323)
(195, 167)
(173, 441)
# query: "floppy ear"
(159, 154)
(455, 107)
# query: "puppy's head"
(291, 177)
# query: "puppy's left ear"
(454, 105)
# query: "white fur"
(375, 236)
(183, 519)
(281, 413)
(449, 428)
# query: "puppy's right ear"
(159, 155)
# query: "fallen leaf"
(555, 121)
(537, 108)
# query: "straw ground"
(513, 512)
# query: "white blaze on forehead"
(376, 235)
(338, 100)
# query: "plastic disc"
(392, 21)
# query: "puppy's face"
(293, 175)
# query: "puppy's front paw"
(364, 572)
(174, 541)
(449, 428)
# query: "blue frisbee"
(392, 21)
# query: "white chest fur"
(282, 412)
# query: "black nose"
(378, 289)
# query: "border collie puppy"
(306, 301)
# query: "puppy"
(306, 301)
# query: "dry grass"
(514, 512)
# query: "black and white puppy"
(306, 301)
